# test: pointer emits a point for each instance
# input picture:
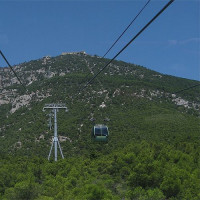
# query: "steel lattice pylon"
(55, 141)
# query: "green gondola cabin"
(100, 132)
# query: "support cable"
(165, 7)
(123, 32)
(186, 88)
(11, 68)
(127, 28)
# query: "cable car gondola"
(100, 132)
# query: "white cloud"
(190, 40)
(172, 42)
(182, 42)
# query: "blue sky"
(171, 45)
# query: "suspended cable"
(165, 7)
(121, 36)
(126, 28)
(123, 32)
(11, 68)
(186, 88)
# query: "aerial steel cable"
(187, 88)
(126, 28)
(120, 37)
(124, 31)
(165, 7)
(11, 68)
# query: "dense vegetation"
(141, 170)
(153, 151)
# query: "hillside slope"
(138, 102)
(153, 149)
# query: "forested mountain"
(154, 144)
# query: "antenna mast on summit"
(55, 142)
